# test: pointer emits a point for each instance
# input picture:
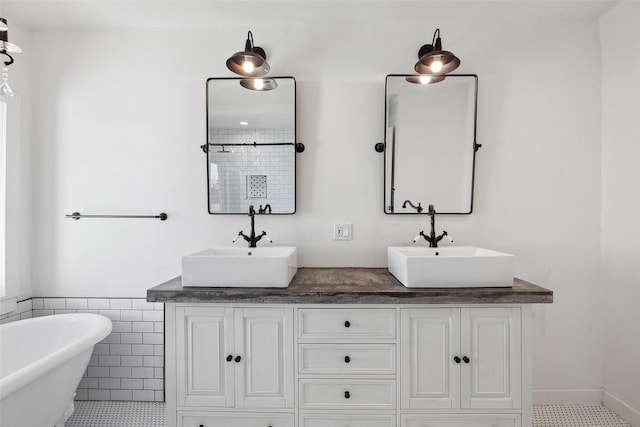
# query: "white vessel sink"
(264, 267)
(450, 267)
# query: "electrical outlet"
(342, 231)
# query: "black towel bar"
(78, 215)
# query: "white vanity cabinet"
(385, 365)
(229, 358)
(348, 347)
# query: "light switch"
(342, 231)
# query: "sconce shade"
(425, 79)
(259, 84)
(251, 62)
(434, 60)
(5, 46)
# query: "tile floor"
(576, 416)
(151, 414)
(92, 413)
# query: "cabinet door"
(204, 339)
(430, 340)
(264, 340)
(490, 338)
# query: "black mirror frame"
(381, 147)
(296, 146)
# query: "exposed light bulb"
(248, 67)
(425, 80)
(436, 66)
(5, 89)
(244, 123)
(258, 84)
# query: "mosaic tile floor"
(151, 414)
(90, 413)
(576, 416)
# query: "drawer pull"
(347, 323)
(457, 359)
(201, 425)
(347, 394)
(466, 359)
(347, 359)
(238, 359)
(229, 359)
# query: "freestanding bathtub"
(41, 363)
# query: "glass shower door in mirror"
(430, 144)
(251, 150)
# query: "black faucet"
(432, 238)
(264, 210)
(418, 208)
(252, 238)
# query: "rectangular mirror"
(430, 144)
(251, 145)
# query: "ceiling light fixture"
(251, 62)
(259, 84)
(5, 49)
(434, 60)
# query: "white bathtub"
(41, 363)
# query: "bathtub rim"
(29, 373)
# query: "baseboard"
(560, 397)
(619, 407)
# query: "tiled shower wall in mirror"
(243, 175)
(129, 363)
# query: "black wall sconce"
(251, 62)
(5, 49)
(434, 60)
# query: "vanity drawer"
(463, 420)
(190, 419)
(347, 359)
(346, 420)
(347, 393)
(337, 324)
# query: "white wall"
(620, 32)
(19, 166)
(121, 115)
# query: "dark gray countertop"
(350, 286)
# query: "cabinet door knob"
(466, 359)
(229, 359)
(201, 425)
(347, 394)
(457, 359)
(347, 359)
(238, 359)
(347, 323)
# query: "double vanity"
(347, 346)
(442, 338)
